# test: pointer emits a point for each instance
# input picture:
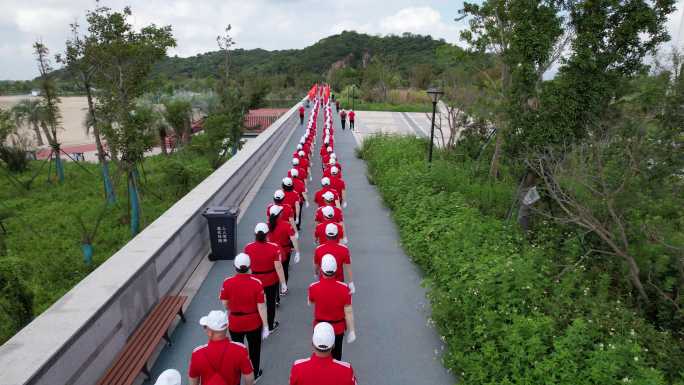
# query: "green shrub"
(14, 157)
(16, 299)
(507, 308)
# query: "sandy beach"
(73, 110)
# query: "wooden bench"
(133, 358)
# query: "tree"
(50, 100)
(230, 101)
(28, 112)
(178, 114)
(80, 61)
(123, 59)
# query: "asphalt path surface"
(395, 344)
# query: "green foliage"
(7, 126)
(14, 158)
(16, 299)
(178, 114)
(511, 310)
(46, 234)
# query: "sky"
(268, 24)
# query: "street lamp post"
(434, 94)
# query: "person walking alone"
(343, 118)
(352, 117)
(301, 115)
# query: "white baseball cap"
(301, 153)
(328, 211)
(279, 194)
(332, 160)
(275, 210)
(323, 336)
(328, 264)
(325, 181)
(331, 229)
(329, 149)
(261, 228)
(333, 155)
(294, 172)
(242, 261)
(287, 181)
(299, 147)
(169, 377)
(334, 170)
(326, 140)
(295, 161)
(216, 320)
(329, 196)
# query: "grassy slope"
(44, 232)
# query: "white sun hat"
(323, 336)
(216, 320)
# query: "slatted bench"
(133, 358)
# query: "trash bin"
(222, 231)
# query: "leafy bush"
(509, 310)
(16, 299)
(14, 157)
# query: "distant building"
(35, 92)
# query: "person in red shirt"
(337, 105)
(328, 215)
(337, 215)
(301, 115)
(282, 234)
(220, 356)
(288, 212)
(304, 162)
(333, 304)
(321, 368)
(302, 171)
(352, 117)
(268, 268)
(338, 184)
(320, 236)
(243, 296)
(299, 186)
(341, 254)
(292, 198)
(319, 198)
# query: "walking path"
(394, 343)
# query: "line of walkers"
(252, 296)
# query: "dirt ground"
(73, 110)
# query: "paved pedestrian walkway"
(394, 343)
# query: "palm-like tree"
(29, 112)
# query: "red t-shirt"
(320, 236)
(264, 255)
(291, 197)
(337, 183)
(243, 292)
(337, 215)
(322, 370)
(343, 115)
(339, 251)
(285, 215)
(301, 111)
(329, 297)
(319, 196)
(303, 173)
(326, 171)
(303, 162)
(299, 185)
(228, 357)
(352, 115)
(281, 237)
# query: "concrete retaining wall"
(77, 338)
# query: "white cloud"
(268, 24)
